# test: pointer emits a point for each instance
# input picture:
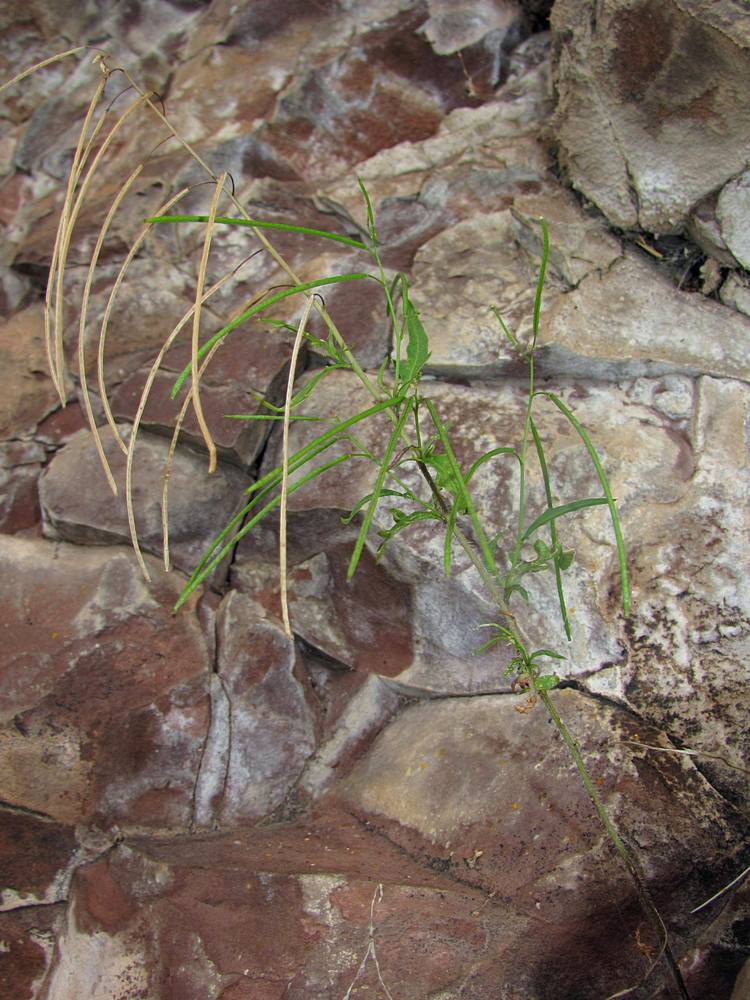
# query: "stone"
(316, 886)
(28, 936)
(703, 229)
(37, 860)
(104, 711)
(442, 783)
(631, 321)
(78, 505)
(246, 816)
(452, 27)
(262, 719)
(28, 394)
(685, 640)
(580, 244)
(20, 466)
(645, 132)
(733, 211)
(735, 292)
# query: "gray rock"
(733, 213)
(78, 506)
(270, 725)
(631, 321)
(735, 292)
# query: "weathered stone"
(735, 292)
(27, 394)
(579, 244)
(37, 859)
(262, 727)
(20, 466)
(199, 917)
(28, 937)
(686, 641)
(703, 228)
(733, 212)
(452, 27)
(139, 731)
(78, 505)
(104, 708)
(631, 321)
(651, 114)
(442, 782)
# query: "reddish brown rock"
(20, 466)
(443, 781)
(252, 365)
(104, 710)
(28, 937)
(301, 907)
(28, 394)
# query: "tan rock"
(651, 113)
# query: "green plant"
(419, 438)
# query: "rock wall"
(193, 805)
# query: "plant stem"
(625, 854)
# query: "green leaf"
(254, 310)
(256, 224)
(462, 492)
(516, 588)
(417, 347)
(370, 214)
(565, 559)
(542, 550)
(403, 521)
(348, 518)
(546, 682)
(377, 491)
(616, 527)
(540, 280)
(552, 513)
(546, 652)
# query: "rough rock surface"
(648, 129)
(196, 805)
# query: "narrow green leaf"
(265, 416)
(616, 527)
(462, 491)
(546, 652)
(199, 575)
(563, 561)
(254, 310)
(417, 346)
(540, 280)
(348, 518)
(282, 227)
(552, 513)
(370, 214)
(514, 342)
(376, 493)
(388, 534)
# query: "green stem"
(627, 858)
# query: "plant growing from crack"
(419, 439)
